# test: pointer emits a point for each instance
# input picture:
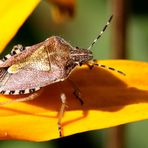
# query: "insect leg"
(30, 97)
(77, 92)
(61, 113)
(17, 49)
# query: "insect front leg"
(28, 98)
(61, 113)
(77, 92)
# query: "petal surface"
(110, 99)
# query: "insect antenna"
(96, 39)
(110, 68)
(100, 34)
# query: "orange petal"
(13, 13)
(62, 9)
(110, 99)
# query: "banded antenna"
(100, 34)
(96, 39)
(110, 68)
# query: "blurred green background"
(80, 31)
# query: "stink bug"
(28, 69)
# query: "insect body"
(28, 69)
(39, 65)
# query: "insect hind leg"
(17, 49)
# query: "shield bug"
(28, 69)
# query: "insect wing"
(28, 75)
(18, 53)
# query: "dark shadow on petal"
(100, 89)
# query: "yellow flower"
(110, 99)
(12, 16)
(13, 13)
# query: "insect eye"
(76, 48)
